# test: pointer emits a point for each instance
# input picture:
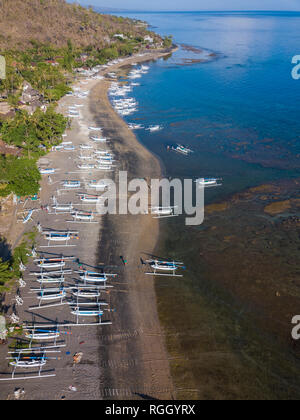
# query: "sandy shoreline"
(127, 359)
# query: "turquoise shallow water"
(238, 112)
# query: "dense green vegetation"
(19, 176)
(6, 273)
(48, 69)
(34, 135)
(10, 269)
(168, 41)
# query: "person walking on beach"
(125, 262)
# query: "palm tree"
(5, 272)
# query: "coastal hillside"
(44, 43)
(56, 22)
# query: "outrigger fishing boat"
(82, 217)
(86, 147)
(51, 279)
(52, 294)
(29, 358)
(47, 171)
(161, 212)
(71, 184)
(86, 166)
(105, 159)
(133, 126)
(53, 236)
(31, 363)
(102, 152)
(209, 182)
(41, 335)
(97, 185)
(60, 236)
(69, 148)
(62, 208)
(50, 262)
(179, 148)
(49, 295)
(89, 198)
(154, 128)
(83, 157)
(165, 266)
(90, 294)
(27, 217)
(104, 167)
(79, 311)
(92, 276)
(95, 128)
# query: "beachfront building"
(148, 39)
(30, 98)
(121, 36)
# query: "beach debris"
(22, 267)
(19, 300)
(72, 388)
(14, 318)
(3, 330)
(18, 393)
(22, 283)
(77, 358)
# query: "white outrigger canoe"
(160, 212)
(86, 312)
(83, 157)
(85, 216)
(165, 265)
(209, 182)
(51, 263)
(102, 152)
(105, 158)
(69, 148)
(95, 128)
(52, 295)
(86, 166)
(164, 268)
(104, 167)
(179, 148)
(71, 184)
(98, 185)
(93, 276)
(63, 207)
(135, 126)
(86, 147)
(154, 128)
(41, 335)
(36, 362)
(28, 217)
(88, 198)
(86, 293)
(60, 236)
(51, 279)
(47, 171)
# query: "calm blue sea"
(240, 111)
